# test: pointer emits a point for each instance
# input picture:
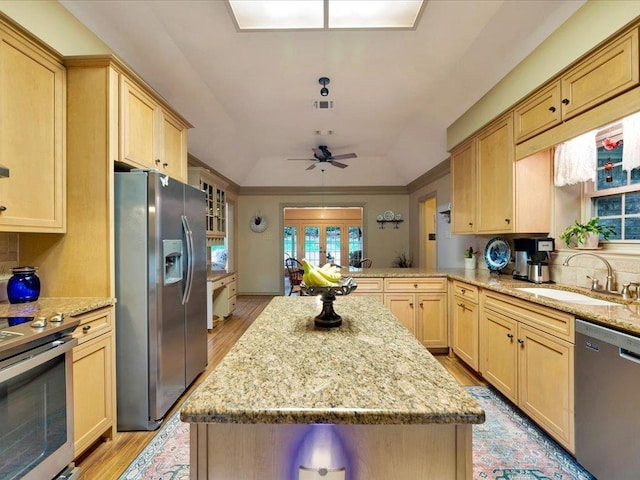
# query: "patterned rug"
(506, 447)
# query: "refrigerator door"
(196, 304)
(167, 326)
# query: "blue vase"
(24, 285)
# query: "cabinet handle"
(464, 290)
(158, 161)
(552, 109)
(421, 306)
(165, 164)
(462, 306)
(521, 341)
(510, 335)
(415, 285)
(471, 224)
(565, 101)
(411, 305)
(3, 208)
(508, 220)
(86, 328)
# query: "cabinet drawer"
(93, 324)
(466, 291)
(369, 285)
(415, 284)
(554, 322)
(232, 304)
(224, 281)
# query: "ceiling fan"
(323, 155)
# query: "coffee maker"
(532, 258)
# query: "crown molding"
(441, 170)
(299, 191)
(194, 161)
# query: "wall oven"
(36, 400)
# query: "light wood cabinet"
(94, 379)
(491, 193)
(370, 287)
(150, 136)
(215, 201)
(494, 169)
(465, 318)
(223, 299)
(463, 194)
(421, 305)
(530, 365)
(33, 135)
(604, 74)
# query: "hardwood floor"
(108, 460)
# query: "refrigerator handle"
(189, 280)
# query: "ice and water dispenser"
(172, 253)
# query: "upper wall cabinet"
(607, 72)
(150, 136)
(215, 201)
(493, 194)
(32, 136)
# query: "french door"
(322, 244)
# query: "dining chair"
(294, 272)
(365, 263)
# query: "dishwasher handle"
(629, 355)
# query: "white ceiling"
(250, 95)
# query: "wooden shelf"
(395, 222)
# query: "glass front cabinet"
(215, 200)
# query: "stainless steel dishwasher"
(607, 402)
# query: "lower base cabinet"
(465, 323)
(529, 365)
(224, 296)
(421, 305)
(94, 380)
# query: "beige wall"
(590, 25)
(260, 257)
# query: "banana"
(312, 276)
(330, 272)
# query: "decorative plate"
(379, 218)
(258, 224)
(497, 254)
(388, 215)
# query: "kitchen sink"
(565, 296)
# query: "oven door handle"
(58, 347)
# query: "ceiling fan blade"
(311, 167)
(344, 157)
(317, 152)
(302, 159)
(338, 164)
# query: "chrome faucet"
(609, 286)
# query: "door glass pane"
(312, 245)
(290, 242)
(355, 245)
(333, 242)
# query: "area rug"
(506, 447)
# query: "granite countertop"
(371, 370)
(624, 317)
(47, 306)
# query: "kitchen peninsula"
(398, 413)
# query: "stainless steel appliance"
(36, 398)
(532, 258)
(161, 312)
(607, 387)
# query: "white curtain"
(631, 139)
(576, 160)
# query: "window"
(615, 196)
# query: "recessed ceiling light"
(325, 14)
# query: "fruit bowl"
(328, 318)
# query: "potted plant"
(469, 259)
(586, 235)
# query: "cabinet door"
(465, 331)
(499, 353)
(538, 113)
(546, 382)
(402, 305)
(463, 192)
(32, 138)
(431, 320)
(138, 126)
(495, 154)
(174, 146)
(93, 391)
(601, 76)
(533, 183)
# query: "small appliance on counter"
(532, 258)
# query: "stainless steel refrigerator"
(161, 308)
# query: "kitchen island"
(395, 409)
